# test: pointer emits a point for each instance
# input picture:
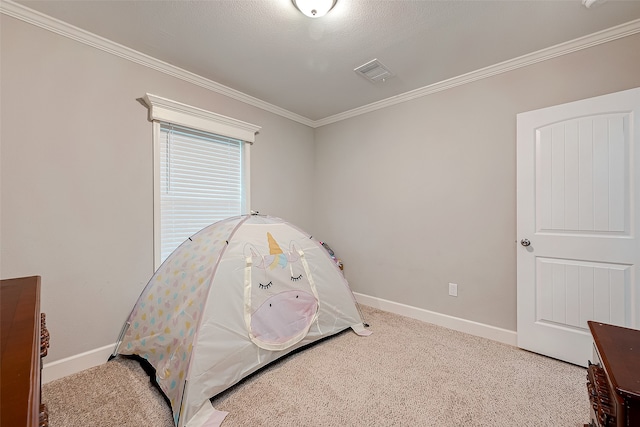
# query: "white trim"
(46, 22)
(604, 36)
(38, 19)
(456, 323)
(157, 197)
(166, 110)
(247, 178)
(73, 364)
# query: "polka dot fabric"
(163, 322)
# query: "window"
(201, 171)
(201, 181)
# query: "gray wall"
(423, 193)
(76, 177)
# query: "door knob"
(525, 242)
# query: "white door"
(578, 218)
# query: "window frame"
(172, 112)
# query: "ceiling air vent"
(374, 71)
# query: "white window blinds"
(201, 181)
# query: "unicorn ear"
(254, 253)
(250, 250)
(292, 255)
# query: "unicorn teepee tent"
(234, 297)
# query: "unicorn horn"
(274, 248)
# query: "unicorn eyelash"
(295, 279)
(267, 286)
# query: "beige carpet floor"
(408, 373)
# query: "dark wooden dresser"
(25, 340)
(613, 380)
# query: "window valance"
(166, 110)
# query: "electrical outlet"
(453, 289)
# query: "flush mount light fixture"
(589, 3)
(314, 8)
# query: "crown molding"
(23, 13)
(613, 33)
(38, 19)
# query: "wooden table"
(24, 341)
(614, 378)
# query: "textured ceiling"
(269, 50)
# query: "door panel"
(567, 290)
(576, 205)
(582, 175)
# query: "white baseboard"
(70, 365)
(470, 327)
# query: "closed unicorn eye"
(267, 286)
(295, 279)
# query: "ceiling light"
(589, 3)
(314, 8)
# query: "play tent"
(234, 297)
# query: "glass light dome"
(314, 8)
